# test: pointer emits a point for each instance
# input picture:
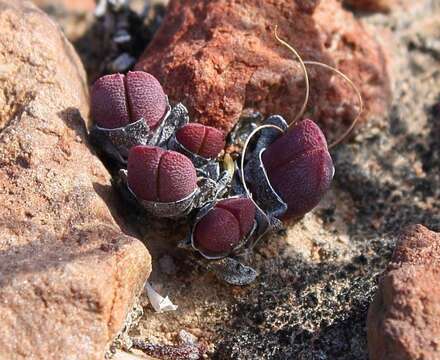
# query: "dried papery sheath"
(169, 210)
(269, 135)
(213, 181)
(263, 193)
(176, 118)
(212, 189)
(262, 190)
(248, 122)
(232, 271)
(117, 142)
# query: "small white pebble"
(158, 302)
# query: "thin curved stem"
(306, 76)
(356, 90)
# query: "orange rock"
(404, 318)
(68, 274)
(220, 56)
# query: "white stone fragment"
(159, 303)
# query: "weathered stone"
(68, 275)
(404, 319)
(221, 56)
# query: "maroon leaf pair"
(118, 100)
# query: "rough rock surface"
(68, 275)
(219, 57)
(404, 319)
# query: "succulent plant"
(299, 167)
(224, 227)
(130, 110)
(159, 175)
(173, 169)
(118, 100)
(204, 141)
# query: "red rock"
(68, 274)
(404, 318)
(220, 56)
